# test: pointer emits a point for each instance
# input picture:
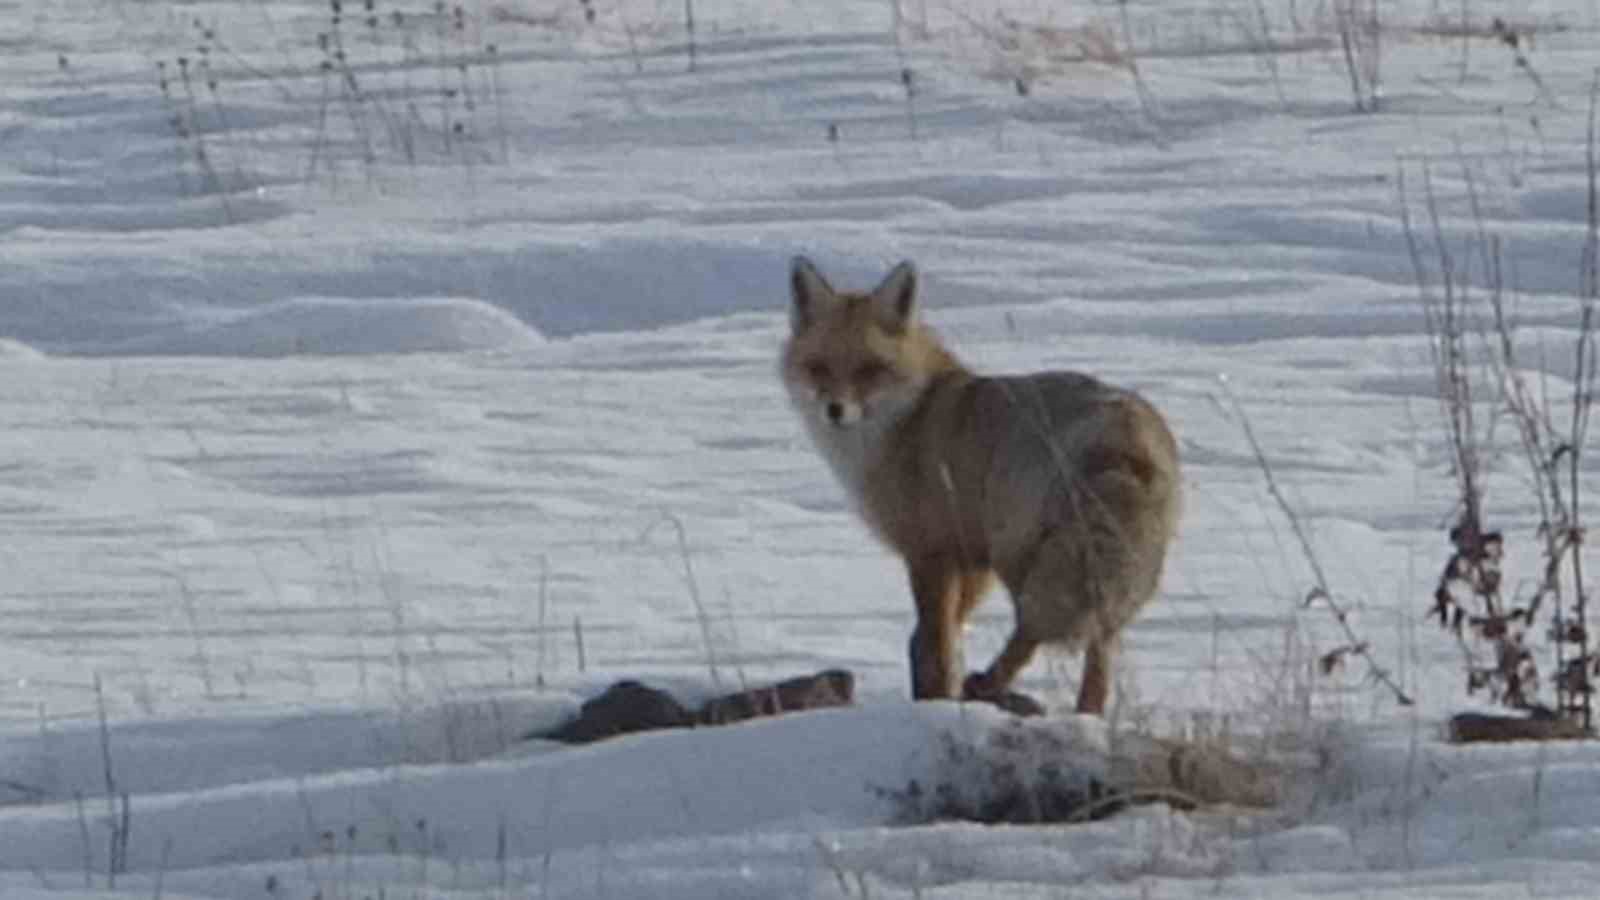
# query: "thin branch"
(1355, 646)
(1583, 387)
(701, 615)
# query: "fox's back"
(986, 467)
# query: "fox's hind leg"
(994, 683)
(1098, 659)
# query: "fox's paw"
(980, 687)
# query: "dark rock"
(1470, 728)
(625, 707)
(833, 687)
(629, 706)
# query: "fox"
(1060, 486)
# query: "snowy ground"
(361, 418)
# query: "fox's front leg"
(935, 649)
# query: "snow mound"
(808, 767)
(342, 326)
(186, 755)
(14, 349)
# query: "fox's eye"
(818, 371)
(869, 372)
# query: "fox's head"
(856, 358)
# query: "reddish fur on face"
(850, 353)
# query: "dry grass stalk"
(1320, 593)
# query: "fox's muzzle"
(843, 413)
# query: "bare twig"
(1515, 42)
(1360, 40)
(908, 82)
(1347, 44)
(118, 824)
(33, 793)
(83, 840)
(694, 592)
(688, 24)
(1147, 99)
(544, 605)
(1584, 380)
(577, 637)
(120, 830)
(161, 873)
(1266, 49)
(1320, 592)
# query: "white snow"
(360, 424)
(307, 325)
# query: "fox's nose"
(835, 411)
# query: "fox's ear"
(811, 293)
(894, 300)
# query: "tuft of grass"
(365, 106)
(1041, 770)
